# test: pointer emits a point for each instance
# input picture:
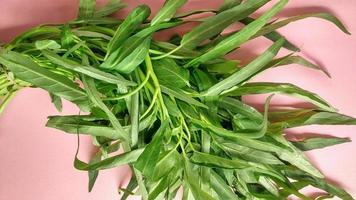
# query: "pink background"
(36, 162)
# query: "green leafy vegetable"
(174, 110)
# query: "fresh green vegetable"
(175, 107)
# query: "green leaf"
(281, 88)
(131, 44)
(182, 52)
(161, 186)
(227, 67)
(90, 34)
(238, 139)
(94, 96)
(167, 161)
(111, 7)
(260, 130)
(217, 162)
(269, 185)
(246, 72)
(303, 117)
(57, 101)
(216, 24)
(86, 9)
(203, 79)
(29, 71)
(93, 175)
(326, 16)
(219, 185)
(273, 35)
(88, 125)
(87, 70)
(250, 154)
(253, 129)
(108, 163)
(172, 107)
(232, 42)
(147, 161)
(132, 22)
(193, 182)
(130, 187)
(194, 12)
(289, 59)
(319, 143)
(75, 125)
(188, 110)
(47, 44)
(165, 185)
(129, 64)
(237, 107)
(170, 74)
(179, 94)
(229, 4)
(37, 32)
(319, 183)
(296, 157)
(168, 10)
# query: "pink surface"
(36, 162)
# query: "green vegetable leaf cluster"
(174, 108)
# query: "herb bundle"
(174, 107)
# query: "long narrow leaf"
(326, 16)
(235, 40)
(111, 7)
(167, 11)
(246, 72)
(319, 143)
(115, 161)
(216, 24)
(282, 88)
(87, 70)
(86, 9)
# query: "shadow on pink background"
(37, 162)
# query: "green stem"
(134, 119)
(6, 100)
(151, 105)
(189, 139)
(137, 89)
(167, 54)
(170, 56)
(205, 171)
(157, 86)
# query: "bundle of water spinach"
(175, 107)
